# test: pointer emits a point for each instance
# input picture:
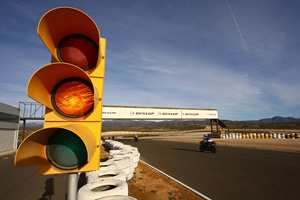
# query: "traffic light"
(71, 88)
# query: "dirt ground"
(148, 184)
(270, 144)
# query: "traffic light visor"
(64, 27)
(65, 88)
(58, 149)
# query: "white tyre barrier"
(129, 172)
(271, 135)
(135, 158)
(104, 166)
(104, 188)
(114, 151)
(133, 162)
(278, 136)
(292, 135)
(108, 174)
(111, 144)
(122, 162)
(107, 165)
(134, 153)
(103, 184)
(132, 149)
(122, 153)
(117, 197)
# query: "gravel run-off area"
(270, 144)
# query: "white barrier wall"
(260, 136)
(9, 125)
(8, 140)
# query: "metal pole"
(24, 128)
(72, 186)
(211, 126)
(218, 126)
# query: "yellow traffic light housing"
(71, 88)
(63, 28)
(45, 83)
(58, 149)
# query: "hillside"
(146, 126)
(174, 125)
(267, 123)
(263, 125)
(279, 119)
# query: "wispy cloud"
(288, 93)
(23, 9)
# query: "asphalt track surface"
(231, 173)
(25, 183)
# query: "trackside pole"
(72, 186)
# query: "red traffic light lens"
(73, 98)
(78, 50)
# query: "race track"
(231, 173)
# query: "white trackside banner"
(119, 112)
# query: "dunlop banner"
(126, 112)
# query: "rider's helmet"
(205, 136)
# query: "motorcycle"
(210, 145)
(136, 139)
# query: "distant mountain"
(276, 119)
(279, 119)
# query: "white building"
(9, 126)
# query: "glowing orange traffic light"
(73, 98)
(71, 88)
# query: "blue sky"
(238, 56)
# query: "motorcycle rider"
(206, 139)
(207, 144)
